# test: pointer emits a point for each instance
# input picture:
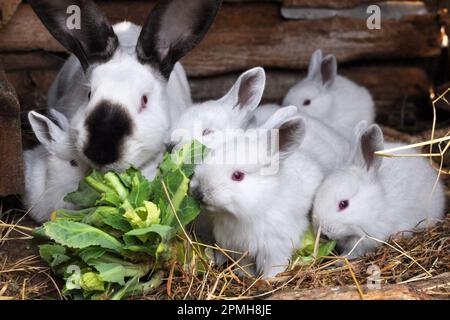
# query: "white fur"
(217, 116)
(123, 80)
(389, 196)
(325, 144)
(49, 175)
(265, 215)
(335, 100)
(263, 113)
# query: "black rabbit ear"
(173, 28)
(80, 27)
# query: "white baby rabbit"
(254, 207)
(53, 169)
(123, 88)
(207, 121)
(336, 100)
(375, 196)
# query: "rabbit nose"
(325, 237)
(197, 193)
(108, 126)
(170, 146)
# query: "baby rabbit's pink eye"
(206, 132)
(238, 176)
(343, 205)
(144, 101)
(307, 102)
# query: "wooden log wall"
(11, 167)
(428, 289)
(397, 63)
(392, 62)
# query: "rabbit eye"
(89, 95)
(73, 163)
(207, 132)
(238, 176)
(307, 102)
(144, 102)
(343, 205)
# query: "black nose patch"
(197, 194)
(108, 125)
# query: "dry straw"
(424, 255)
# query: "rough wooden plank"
(249, 34)
(420, 290)
(32, 88)
(321, 3)
(16, 61)
(389, 10)
(388, 83)
(7, 10)
(261, 38)
(336, 4)
(11, 166)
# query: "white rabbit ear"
(315, 65)
(173, 28)
(370, 140)
(328, 70)
(290, 130)
(360, 128)
(247, 92)
(91, 37)
(279, 117)
(45, 130)
(60, 119)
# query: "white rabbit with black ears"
(124, 88)
(260, 204)
(207, 121)
(376, 197)
(53, 169)
(334, 99)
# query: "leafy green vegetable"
(91, 281)
(304, 255)
(161, 230)
(134, 287)
(54, 255)
(79, 235)
(124, 229)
